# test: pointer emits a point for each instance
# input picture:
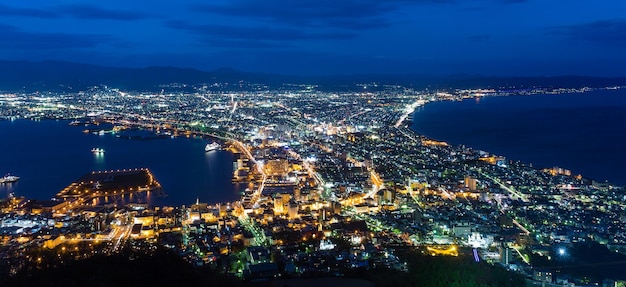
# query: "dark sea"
(582, 132)
(49, 155)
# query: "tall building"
(506, 254)
(470, 183)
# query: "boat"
(212, 146)
(97, 150)
(9, 178)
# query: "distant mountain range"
(65, 76)
(55, 75)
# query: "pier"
(98, 184)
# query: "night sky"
(316, 37)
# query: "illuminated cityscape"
(336, 181)
(278, 143)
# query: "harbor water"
(582, 132)
(48, 155)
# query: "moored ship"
(97, 150)
(212, 146)
(9, 178)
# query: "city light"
(358, 186)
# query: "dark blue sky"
(487, 37)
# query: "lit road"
(409, 110)
(509, 189)
(310, 170)
(243, 218)
(408, 135)
(341, 122)
(445, 194)
(413, 195)
(118, 235)
(257, 194)
(513, 192)
(259, 235)
(122, 233)
(515, 222)
(377, 183)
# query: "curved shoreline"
(52, 173)
(409, 122)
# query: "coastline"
(181, 165)
(409, 122)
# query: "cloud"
(345, 14)
(245, 44)
(94, 12)
(513, 1)
(26, 12)
(75, 11)
(354, 15)
(47, 41)
(254, 33)
(606, 32)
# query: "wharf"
(111, 183)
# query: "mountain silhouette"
(66, 76)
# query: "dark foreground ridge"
(164, 268)
(127, 268)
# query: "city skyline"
(340, 143)
(436, 37)
(336, 182)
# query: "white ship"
(212, 146)
(9, 178)
(97, 150)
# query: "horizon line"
(282, 74)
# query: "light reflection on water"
(49, 155)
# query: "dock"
(99, 184)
